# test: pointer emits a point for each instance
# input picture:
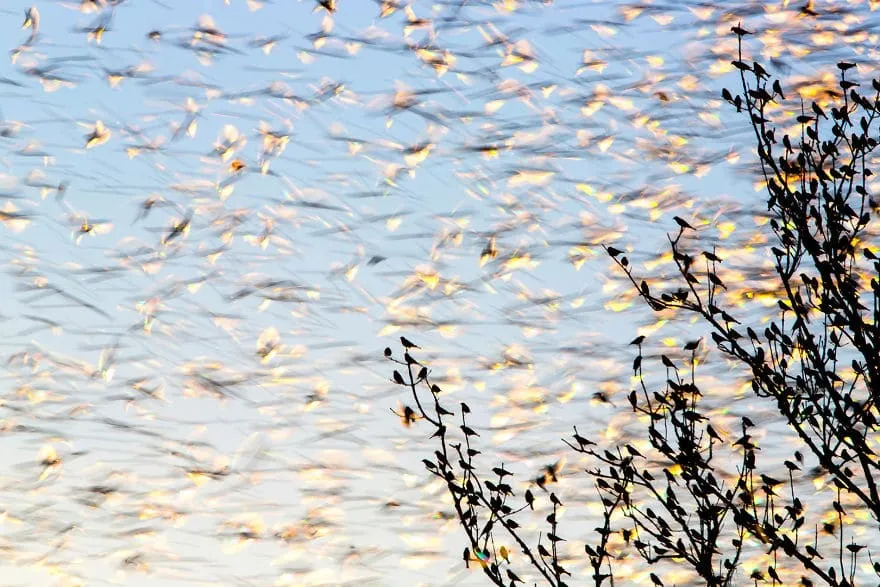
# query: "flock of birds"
(214, 215)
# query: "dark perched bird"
(682, 223)
(812, 551)
(408, 344)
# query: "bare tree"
(817, 361)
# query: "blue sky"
(378, 219)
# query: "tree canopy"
(716, 508)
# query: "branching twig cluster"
(483, 506)
(817, 360)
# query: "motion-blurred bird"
(32, 21)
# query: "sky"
(218, 214)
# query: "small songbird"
(328, 5)
(32, 21)
(179, 228)
(682, 223)
(408, 344)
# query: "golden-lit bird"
(32, 21)
(99, 135)
(328, 5)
